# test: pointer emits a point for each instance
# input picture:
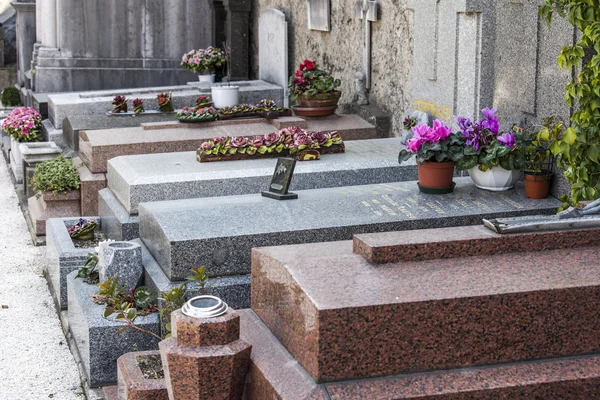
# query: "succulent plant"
(119, 104)
(138, 106)
(83, 229)
(197, 114)
(56, 176)
(165, 102)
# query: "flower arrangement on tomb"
(138, 106)
(165, 102)
(314, 90)
(23, 124)
(486, 146)
(119, 104)
(262, 108)
(56, 176)
(197, 114)
(203, 101)
(83, 229)
(288, 141)
(207, 60)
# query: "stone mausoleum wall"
(448, 61)
(108, 44)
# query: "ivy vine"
(577, 147)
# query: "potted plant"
(56, 183)
(138, 106)
(493, 160)
(119, 105)
(205, 61)
(23, 124)
(437, 150)
(226, 95)
(165, 102)
(315, 90)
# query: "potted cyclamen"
(23, 124)
(315, 91)
(437, 150)
(205, 61)
(493, 160)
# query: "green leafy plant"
(310, 80)
(10, 97)
(111, 289)
(89, 271)
(577, 147)
(171, 300)
(56, 176)
(201, 277)
(144, 298)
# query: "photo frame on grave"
(281, 180)
(319, 15)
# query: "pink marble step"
(463, 241)
(275, 374)
(344, 318)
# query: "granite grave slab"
(220, 231)
(174, 176)
(117, 223)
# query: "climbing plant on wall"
(577, 147)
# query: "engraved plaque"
(282, 177)
(319, 15)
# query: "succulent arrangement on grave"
(83, 229)
(493, 159)
(165, 102)
(203, 102)
(138, 106)
(197, 114)
(291, 141)
(23, 124)
(119, 104)
(315, 90)
(264, 108)
(206, 61)
(57, 176)
(437, 149)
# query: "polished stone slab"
(344, 318)
(463, 241)
(275, 374)
(174, 176)
(221, 231)
(116, 222)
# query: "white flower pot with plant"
(206, 61)
(493, 160)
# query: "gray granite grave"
(220, 232)
(116, 224)
(174, 176)
(100, 340)
(121, 260)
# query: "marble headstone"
(319, 15)
(273, 48)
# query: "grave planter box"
(262, 114)
(98, 340)
(335, 148)
(131, 382)
(50, 205)
(62, 257)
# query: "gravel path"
(35, 362)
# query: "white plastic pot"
(225, 96)
(496, 179)
(208, 78)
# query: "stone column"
(237, 29)
(26, 37)
(48, 28)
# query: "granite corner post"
(237, 32)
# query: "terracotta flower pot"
(436, 177)
(537, 186)
(320, 99)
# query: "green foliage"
(496, 154)
(201, 276)
(450, 149)
(89, 271)
(11, 97)
(577, 147)
(110, 289)
(537, 157)
(56, 176)
(144, 298)
(172, 300)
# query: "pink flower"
(414, 144)
(239, 141)
(302, 139)
(257, 141)
(272, 138)
(320, 137)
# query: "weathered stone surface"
(273, 48)
(62, 258)
(122, 260)
(178, 235)
(98, 340)
(174, 176)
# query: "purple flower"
(440, 131)
(489, 114)
(221, 139)
(302, 139)
(414, 144)
(464, 123)
(319, 137)
(272, 138)
(207, 145)
(507, 139)
(257, 141)
(239, 141)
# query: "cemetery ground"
(35, 361)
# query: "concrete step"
(275, 374)
(345, 318)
